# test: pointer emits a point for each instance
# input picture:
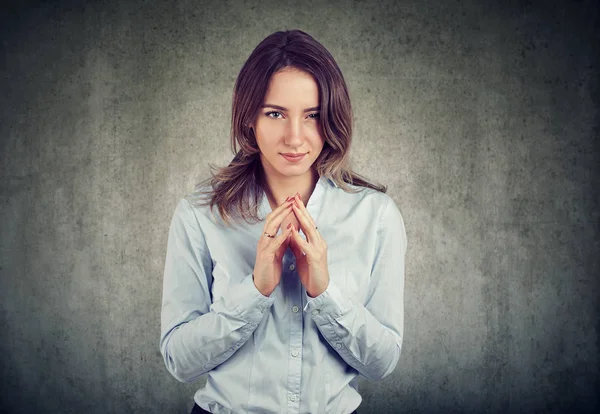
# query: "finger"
(307, 224)
(300, 244)
(303, 208)
(273, 229)
(276, 217)
(279, 240)
(295, 247)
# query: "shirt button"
(295, 309)
(292, 398)
(316, 312)
(292, 266)
(295, 353)
(338, 345)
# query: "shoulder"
(199, 197)
(194, 207)
(359, 196)
(365, 201)
(206, 214)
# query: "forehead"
(292, 88)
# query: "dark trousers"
(199, 410)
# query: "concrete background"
(481, 116)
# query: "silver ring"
(268, 235)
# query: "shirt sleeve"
(196, 334)
(369, 337)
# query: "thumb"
(295, 248)
(284, 245)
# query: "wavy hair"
(237, 189)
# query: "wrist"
(262, 290)
(314, 294)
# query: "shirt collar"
(327, 181)
(314, 201)
(333, 183)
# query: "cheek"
(263, 136)
(267, 132)
(318, 132)
(317, 139)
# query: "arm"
(369, 337)
(196, 335)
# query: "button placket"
(295, 319)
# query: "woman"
(296, 286)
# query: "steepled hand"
(311, 254)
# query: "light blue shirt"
(286, 353)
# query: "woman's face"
(288, 123)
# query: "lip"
(293, 157)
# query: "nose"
(294, 136)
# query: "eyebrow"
(314, 108)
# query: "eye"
(316, 115)
(273, 113)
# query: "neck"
(278, 188)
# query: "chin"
(295, 173)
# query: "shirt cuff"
(246, 302)
(331, 303)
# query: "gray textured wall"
(481, 116)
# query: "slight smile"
(293, 157)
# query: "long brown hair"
(238, 188)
